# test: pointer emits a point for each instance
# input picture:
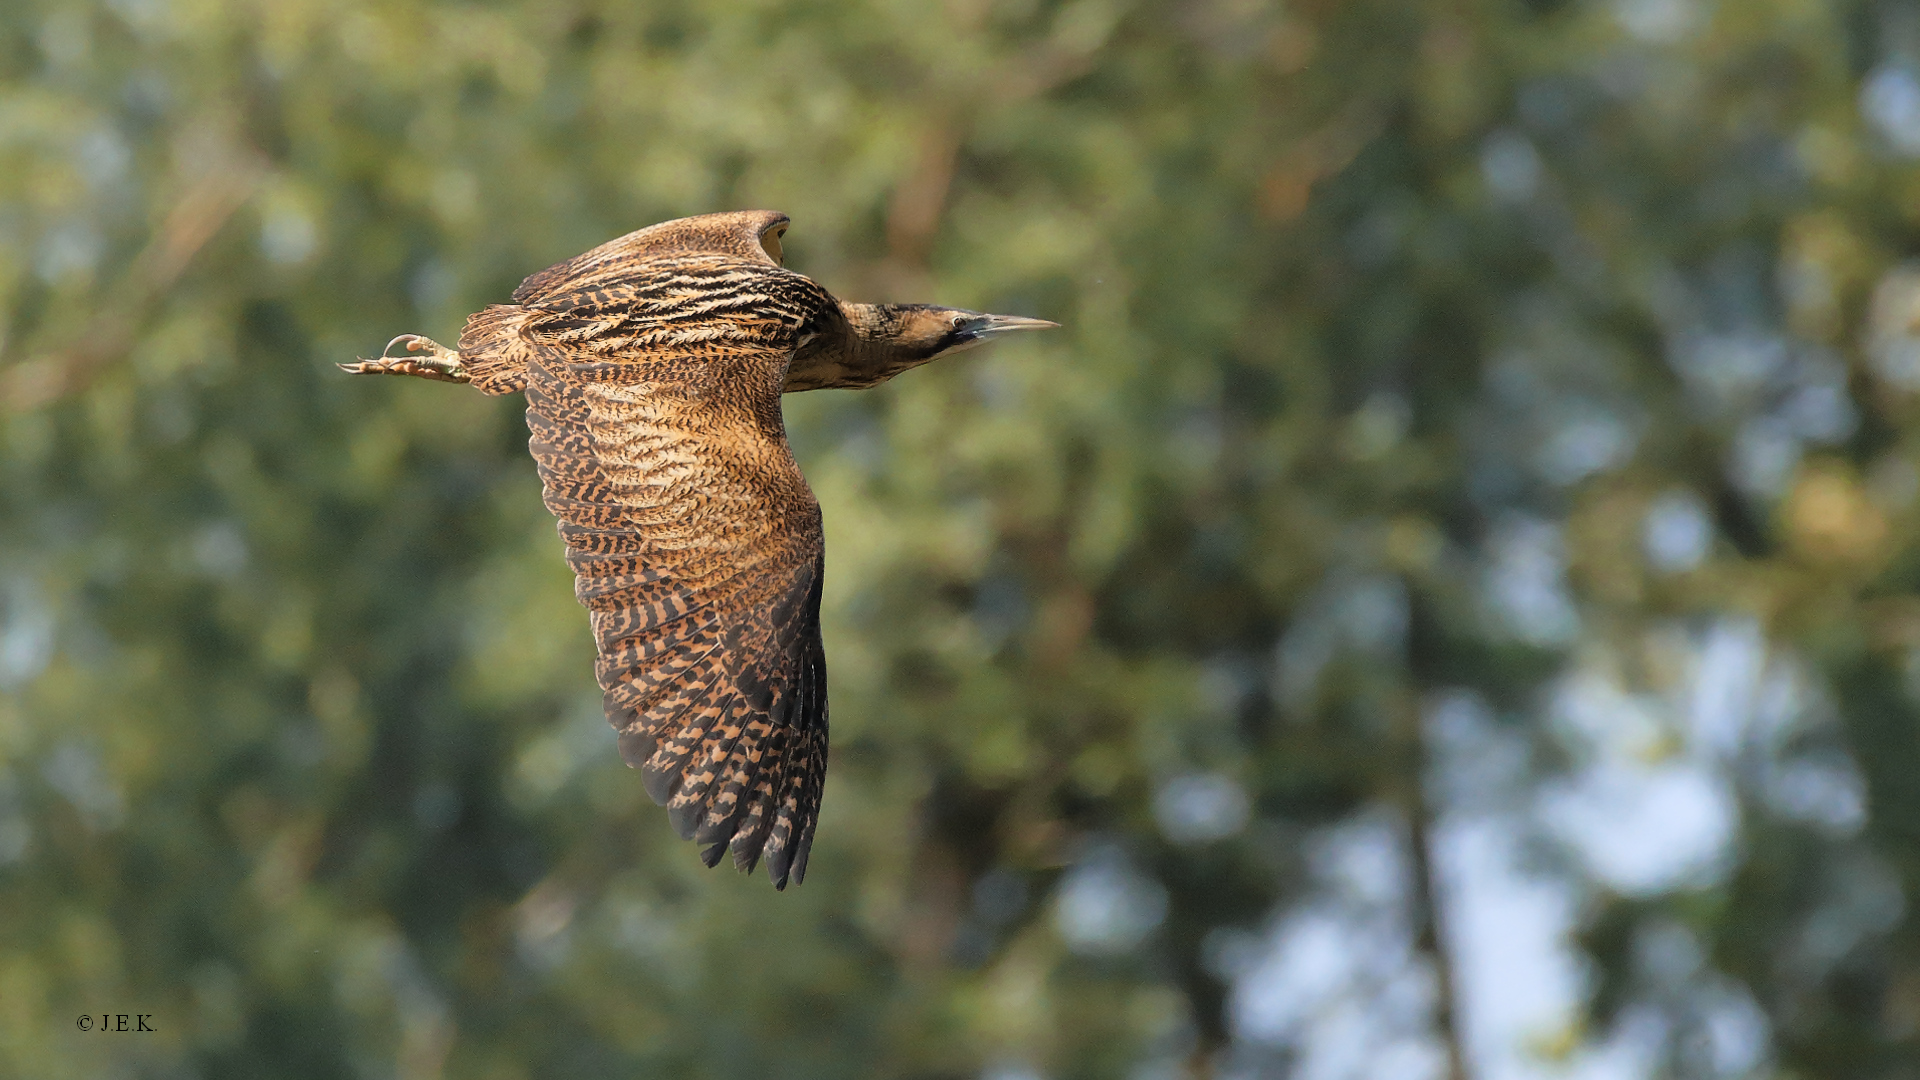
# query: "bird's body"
(653, 367)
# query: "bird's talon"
(440, 363)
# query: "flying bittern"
(653, 367)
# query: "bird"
(653, 367)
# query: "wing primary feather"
(750, 836)
(636, 745)
(703, 768)
(815, 665)
(779, 843)
(732, 765)
(633, 695)
(802, 709)
(747, 761)
(666, 770)
(816, 771)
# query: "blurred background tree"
(1443, 607)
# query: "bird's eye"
(959, 321)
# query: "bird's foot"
(440, 362)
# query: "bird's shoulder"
(676, 305)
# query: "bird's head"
(925, 332)
(887, 339)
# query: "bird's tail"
(492, 350)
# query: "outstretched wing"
(749, 235)
(698, 551)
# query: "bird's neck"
(861, 347)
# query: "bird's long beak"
(990, 326)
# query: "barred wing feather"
(698, 553)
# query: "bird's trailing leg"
(440, 362)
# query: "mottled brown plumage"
(653, 367)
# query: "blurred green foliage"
(1416, 353)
